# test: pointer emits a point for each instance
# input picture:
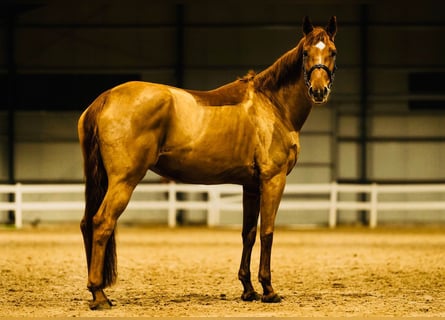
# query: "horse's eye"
(305, 54)
(334, 53)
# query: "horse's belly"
(190, 167)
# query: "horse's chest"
(294, 150)
(277, 153)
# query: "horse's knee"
(249, 237)
(266, 240)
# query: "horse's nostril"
(318, 94)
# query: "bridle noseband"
(307, 74)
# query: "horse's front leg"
(251, 210)
(272, 190)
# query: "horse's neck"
(283, 85)
(295, 103)
(290, 101)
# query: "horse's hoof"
(250, 296)
(101, 305)
(271, 298)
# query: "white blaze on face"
(320, 45)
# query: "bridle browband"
(307, 74)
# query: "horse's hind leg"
(251, 209)
(124, 173)
(104, 222)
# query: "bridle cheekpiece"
(307, 74)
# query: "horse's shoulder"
(230, 94)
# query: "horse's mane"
(288, 68)
(232, 93)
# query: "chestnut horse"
(245, 132)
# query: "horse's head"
(319, 55)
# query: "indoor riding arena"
(208, 125)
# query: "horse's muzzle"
(319, 95)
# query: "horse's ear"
(307, 25)
(331, 28)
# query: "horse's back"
(155, 126)
(127, 98)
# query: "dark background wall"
(384, 123)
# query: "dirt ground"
(193, 272)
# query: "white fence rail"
(229, 198)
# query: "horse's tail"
(96, 185)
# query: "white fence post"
(213, 208)
(333, 205)
(172, 205)
(18, 200)
(374, 202)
